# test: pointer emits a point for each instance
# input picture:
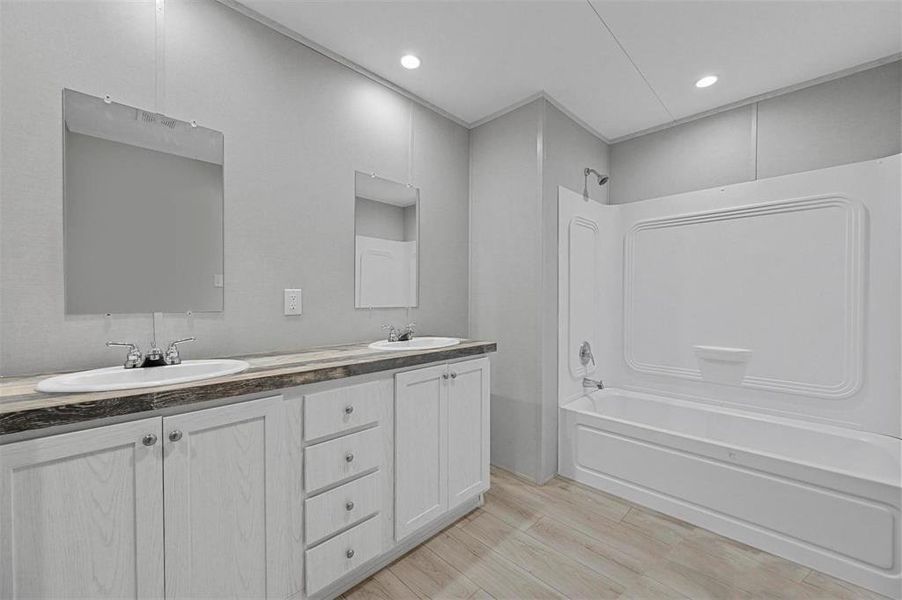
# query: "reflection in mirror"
(386, 230)
(143, 210)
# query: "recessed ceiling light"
(409, 61)
(706, 81)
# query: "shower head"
(602, 179)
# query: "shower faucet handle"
(585, 354)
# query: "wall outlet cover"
(293, 305)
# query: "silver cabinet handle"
(445, 375)
(350, 553)
(349, 457)
(149, 440)
(453, 375)
(349, 409)
(175, 435)
(349, 506)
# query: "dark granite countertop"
(22, 408)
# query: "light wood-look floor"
(563, 540)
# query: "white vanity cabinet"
(298, 495)
(224, 501)
(82, 514)
(441, 441)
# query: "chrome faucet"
(392, 332)
(172, 352)
(585, 357)
(397, 335)
(597, 384)
(134, 358)
(408, 332)
(154, 357)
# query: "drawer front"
(342, 554)
(336, 509)
(334, 411)
(335, 460)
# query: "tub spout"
(593, 383)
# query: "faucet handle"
(172, 352)
(585, 354)
(128, 345)
(392, 332)
(134, 357)
(407, 334)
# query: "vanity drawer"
(333, 510)
(330, 462)
(342, 554)
(334, 411)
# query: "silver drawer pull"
(350, 553)
(349, 457)
(349, 409)
(445, 375)
(149, 440)
(175, 435)
(453, 375)
(349, 506)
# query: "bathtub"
(823, 496)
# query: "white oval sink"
(120, 378)
(420, 343)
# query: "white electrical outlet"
(293, 302)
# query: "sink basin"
(420, 343)
(120, 378)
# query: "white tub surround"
(751, 334)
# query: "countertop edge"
(248, 382)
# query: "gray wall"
(296, 127)
(851, 119)
(505, 229)
(517, 162)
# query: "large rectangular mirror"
(386, 231)
(143, 210)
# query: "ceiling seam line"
(632, 62)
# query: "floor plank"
(585, 549)
(382, 586)
(564, 540)
(558, 570)
(497, 576)
(431, 577)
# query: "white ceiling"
(482, 56)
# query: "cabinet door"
(81, 514)
(224, 499)
(468, 430)
(420, 448)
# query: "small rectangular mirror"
(386, 232)
(143, 210)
